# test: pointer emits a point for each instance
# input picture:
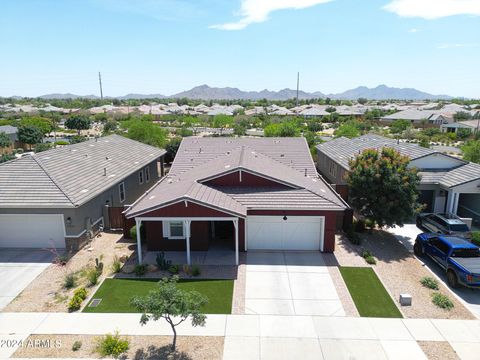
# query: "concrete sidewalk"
(269, 336)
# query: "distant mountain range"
(205, 92)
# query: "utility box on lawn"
(405, 299)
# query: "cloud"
(413, 30)
(450, 46)
(433, 9)
(257, 11)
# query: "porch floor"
(211, 257)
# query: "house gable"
(242, 178)
(436, 161)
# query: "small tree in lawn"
(4, 140)
(172, 304)
(382, 188)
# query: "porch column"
(235, 224)
(138, 224)
(455, 203)
(186, 225)
(452, 202)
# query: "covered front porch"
(190, 240)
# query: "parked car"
(448, 224)
(457, 256)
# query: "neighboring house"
(472, 125)
(12, 133)
(448, 184)
(64, 195)
(419, 116)
(240, 194)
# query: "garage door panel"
(295, 233)
(32, 231)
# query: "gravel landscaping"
(141, 347)
(400, 272)
(438, 350)
(47, 293)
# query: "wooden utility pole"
(298, 84)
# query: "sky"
(167, 46)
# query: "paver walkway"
(290, 283)
(269, 336)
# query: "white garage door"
(295, 233)
(31, 231)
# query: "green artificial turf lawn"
(368, 293)
(117, 293)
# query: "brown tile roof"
(285, 160)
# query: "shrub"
(140, 269)
(99, 265)
(62, 142)
(76, 301)
(187, 269)
(173, 269)
(116, 265)
(359, 225)
(476, 237)
(442, 301)
(370, 260)
(69, 281)
(162, 262)
(366, 253)
(353, 237)
(76, 345)
(92, 276)
(195, 270)
(429, 282)
(133, 232)
(112, 345)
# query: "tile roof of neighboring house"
(410, 114)
(8, 129)
(72, 175)
(341, 150)
(284, 160)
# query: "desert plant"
(174, 269)
(99, 265)
(429, 282)
(370, 260)
(195, 270)
(116, 265)
(92, 276)
(69, 281)
(162, 262)
(76, 345)
(366, 253)
(442, 301)
(476, 237)
(140, 269)
(76, 301)
(112, 345)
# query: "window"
(121, 192)
(332, 169)
(140, 177)
(147, 174)
(173, 230)
(440, 245)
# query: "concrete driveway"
(290, 283)
(469, 297)
(18, 267)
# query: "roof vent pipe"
(305, 172)
(104, 171)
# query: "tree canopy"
(43, 124)
(172, 304)
(382, 188)
(471, 151)
(29, 134)
(283, 129)
(348, 129)
(78, 122)
(146, 132)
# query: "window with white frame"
(173, 230)
(147, 174)
(121, 192)
(140, 177)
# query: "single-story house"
(418, 116)
(63, 196)
(240, 194)
(448, 184)
(471, 125)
